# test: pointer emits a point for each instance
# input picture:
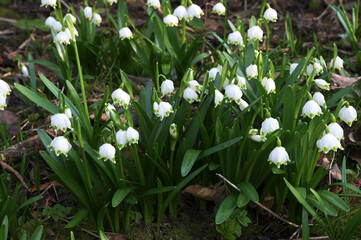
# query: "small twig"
(64, 3)
(295, 233)
(16, 173)
(9, 20)
(83, 229)
(330, 168)
(259, 204)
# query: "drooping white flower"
(322, 84)
(336, 130)
(233, 93)
(60, 121)
(190, 95)
(97, 19)
(311, 109)
(279, 156)
(170, 20)
(269, 84)
(293, 67)
(2, 102)
(60, 145)
(253, 134)
(62, 37)
(88, 12)
(125, 33)
(132, 135)
(242, 104)
(73, 19)
(193, 84)
(319, 99)
(57, 26)
(121, 98)
(173, 131)
(25, 71)
(46, 3)
(167, 87)
(269, 125)
(194, 11)
(252, 71)
(162, 110)
(219, 9)
(338, 63)
(218, 97)
(4, 88)
(255, 33)
(107, 152)
(112, 1)
(348, 114)
(122, 139)
(318, 69)
(153, 3)
(328, 142)
(213, 73)
(241, 82)
(235, 38)
(180, 12)
(108, 108)
(270, 14)
(67, 112)
(227, 82)
(50, 21)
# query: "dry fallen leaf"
(210, 193)
(339, 81)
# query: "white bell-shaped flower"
(311, 109)
(112, 1)
(121, 98)
(97, 19)
(194, 11)
(170, 20)
(107, 152)
(269, 125)
(269, 84)
(253, 134)
(73, 19)
(167, 87)
(218, 97)
(25, 71)
(235, 38)
(4, 88)
(60, 121)
(180, 12)
(193, 84)
(46, 3)
(162, 110)
(252, 71)
(153, 3)
(88, 12)
(213, 73)
(336, 130)
(233, 93)
(318, 69)
(62, 37)
(67, 31)
(108, 108)
(293, 67)
(125, 33)
(279, 156)
(219, 9)
(2, 102)
(60, 145)
(57, 26)
(132, 135)
(338, 63)
(241, 82)
(173, 131)
(50, 21)
(242, 104)
(322, 84)
(328, 142)
(255, 33)
(348, 114)
(122, 139)
(319, 99)
(190, 95)
(67, 112)
(270, 14)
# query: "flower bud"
(322, 84)
(173, 131)
(24, 70)
(218, 97)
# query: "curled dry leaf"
(339, 81)
(210, 193)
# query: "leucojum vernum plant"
(252, 116)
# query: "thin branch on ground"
(16, 173)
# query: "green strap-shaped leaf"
(81, 214)
(119, 195)
(226, 208)
(248, 189)
(189, 159)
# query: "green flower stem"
(268, 32)
(126, 217)
(60, 11)
(225, 25)
(81, 79)
(183, 31)
(171, 160)
(116, 218)
(108, 14)
(134, 151)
